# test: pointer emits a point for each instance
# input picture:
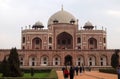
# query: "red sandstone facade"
(63, 44)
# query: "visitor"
(71, 72)
(76, 69)
(89, 68)
(80, 69)
(118, 72)
(65, 73)
(63, 68)
(83, 68)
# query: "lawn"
(0, 74)
(36, 75)
(49, 74)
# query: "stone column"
(86, 59)
(62, 59)
(97, 61)
(26, 59)
(38, 59)
(50, 59)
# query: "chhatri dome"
(62, 16)
(38, 24)
(88, 25)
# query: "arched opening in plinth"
(68, 60)
(80, 61)
(103, 60)
(32, 61)
(91, 60)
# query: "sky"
(15, 14)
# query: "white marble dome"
(62, 17)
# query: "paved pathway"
(90, 75)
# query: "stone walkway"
(90, 75)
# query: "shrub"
(115, 59)
(32, 71)
(36, 70)
(108, 70)
(53, 74)
(11, 67)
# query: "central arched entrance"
(68, 60)
(64, 41)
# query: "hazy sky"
(15, 14)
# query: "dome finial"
(62, 7)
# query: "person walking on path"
(89, 68)
(65, 73)
(63, 68)
(83, 68)
(71, 72)
(76, 69)
(80, 69)
(118, 72)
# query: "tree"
(5, 68)
(0, 67)
(12, 64)
(32, 72)
(115, 59)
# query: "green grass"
(51, 74)
(0, 74)
(36, 75)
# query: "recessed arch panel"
(64, 41)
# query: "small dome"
(38, 24)
(88, 25)
(61, 17)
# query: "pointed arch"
(50, 39)
(92, 43)
(44, 60)
(68, 60)
(36, 43)
(80, 60)
(103, 60)
(21, 58)
(91, 60)
(56, 60)
(32, 60)
(64, 41)
(78, 40)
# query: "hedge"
(108, 70)
(36, 70)
(52, 74)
